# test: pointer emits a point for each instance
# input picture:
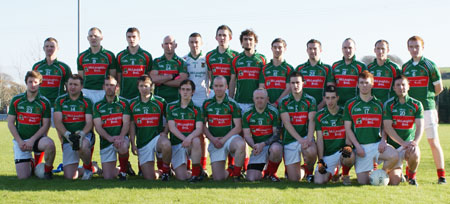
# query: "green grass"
(137, 190)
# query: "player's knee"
(196, 142)
(165, 144)
(276, 148)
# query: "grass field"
(136, 190)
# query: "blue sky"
(25, 25)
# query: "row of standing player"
(342, 72)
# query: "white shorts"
(332, 161)
(108, 154)
(363, 164)
(401, 157)
(222, 153)
(94, 95)
(245, 106)
(147, 152)
(179, 155)
(260, 158)
(292, 153)
(70, 156)
(431, 120)
(19, 154)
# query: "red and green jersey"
(184, 118)
(366, 118)
(95, 67)
(132, 66)
(29, 114)
(261, 124)
(383, 79)
(333, 130)
(247, 70)
(111, 115)
(219, 116)
(54, 77)
(73, 112)
(148, 118)
(219, 64)
(275, 79)
(174, 66)
(403, 117)
(315, 78)
(422, 78)
(346, 78)
(298, 113)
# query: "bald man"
(168, 71)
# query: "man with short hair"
(196, 67)
(403, 122)
(260, 126)
(112, 122)
(315, 72)
(223, 117)
(363, 120)
(219, 60)
(132, 63)
(54, 72)
(73, 121)
(245, 70)
(297, 111)
(384, 71)
(168, 71)
(94, 65)
(274, 76)
(148, 134)
(345, 72)
(185, 125)
(28, 121)
(332, 149)
(426, 83)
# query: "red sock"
(307, 171)
(345, 170)
(38, 157)
(203, 162)
(188, 164)
(441, 173)
(407, 172)
(272, 167)
(165, 168)
(159, 162)
(411, 175)
(88, 166)
(230, 171)
(246, 163)
(123, 162)
(375, 166)
(196, 169)
(230, 160)
(265, 172)
(237, 170)
(48, 168)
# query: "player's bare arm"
(349, 134)
(176, 82)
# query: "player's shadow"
(11, 183)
